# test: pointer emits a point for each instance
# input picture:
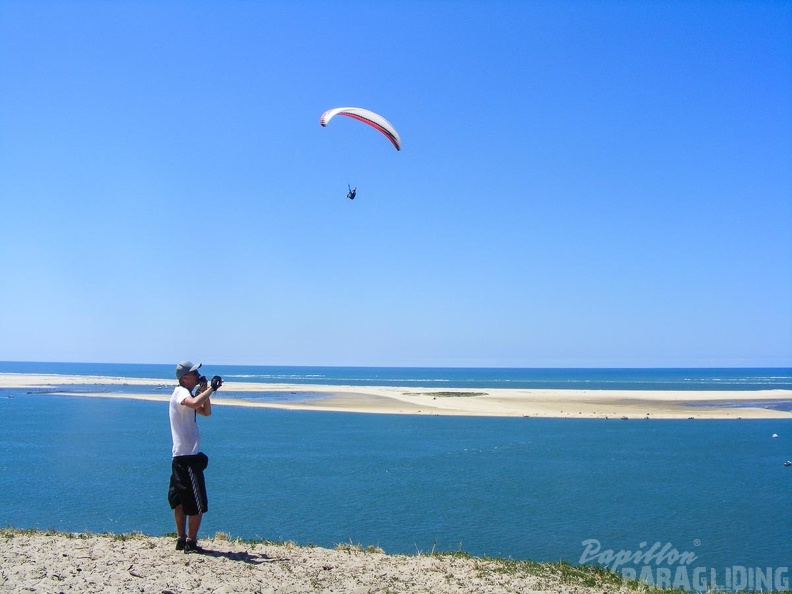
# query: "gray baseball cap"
(184, 368)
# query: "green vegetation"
(350, 547)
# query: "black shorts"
(187, 485)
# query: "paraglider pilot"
(352, 192)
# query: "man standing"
(187, 491)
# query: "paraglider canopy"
(366, 116)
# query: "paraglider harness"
(352, 192)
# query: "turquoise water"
(521, 488)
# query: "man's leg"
(181, 522)
(195, 524)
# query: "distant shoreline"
(684, 379)
(496, 402)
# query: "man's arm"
(200, 403)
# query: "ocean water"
(521, 488)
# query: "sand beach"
(541, 403)
(32, 561)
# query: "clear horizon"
(217, 364)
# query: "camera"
(202, 379)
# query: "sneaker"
(190, 546)
(180, 544)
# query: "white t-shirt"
(184, 427)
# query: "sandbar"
(496, 402)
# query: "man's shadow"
(243, 556)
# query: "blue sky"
(580, 184)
